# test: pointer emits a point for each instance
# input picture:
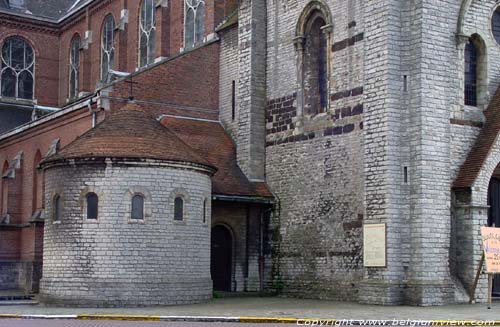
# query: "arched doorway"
(494, 215)
(221, 258)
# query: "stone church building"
(155, 151)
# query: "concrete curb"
(268, 320)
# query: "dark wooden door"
(221, 258)
(494, 219)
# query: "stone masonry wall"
(314, 164)
(228, 75)
(115, 261)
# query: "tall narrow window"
(137, 207)
(17, 69)
(204, 210)
(56, 208)
(147, 29)
(74, 66)
(178, 208)
(470, 73)
(315, 67)
(107, 47)
(194, 24)
(495, 24)
(233, 100)
(92, 205)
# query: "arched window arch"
(475, 72)
(107, 47)
(92, 205)
(312, 43)
(147, 31)
(194, 23)
(179, 208)
(74, 66)
(137, 211)
(17, 69)
(56, 208)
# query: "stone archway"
(221, 258)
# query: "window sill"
(136, 221)
(56, 222)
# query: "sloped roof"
(476, 158)
(52, 9)
(210, 140)
(129, 133)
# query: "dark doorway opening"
(221, 258)
(494, 220)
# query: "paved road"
(81, 323)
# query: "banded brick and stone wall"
(114, 260)
(314, 164)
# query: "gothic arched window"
(74, 66)
(107, 47)
(17, 69)
(147, 29)
(470, 73)
(194, 24)
(315, 66)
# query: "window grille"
(194, 24)
(107, 47)
(74, 66)
(470, 74)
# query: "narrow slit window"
(233, 100)
(57, 207)
(92, 206)
(205, 211)
(137, 207)
(179, 209)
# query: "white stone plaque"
(374, 245)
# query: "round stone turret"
(127, 209)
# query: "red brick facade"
(182, 83)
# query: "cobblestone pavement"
(81, 323)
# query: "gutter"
(243, 199)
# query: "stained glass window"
(147, 29)
(107, 47)
(17, 69)
(194, 24)
(74, 66)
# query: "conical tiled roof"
(129, 133)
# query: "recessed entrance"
(221, 258)
(494, 217)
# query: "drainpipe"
(247, 250)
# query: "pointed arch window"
(17, 69)
(147, 30)
(194, 24)
(315, 66)
(74, 66)
(107, 47)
